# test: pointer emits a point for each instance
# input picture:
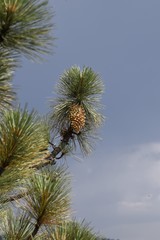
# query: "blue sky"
(117, 188)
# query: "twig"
(14, 198)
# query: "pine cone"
(77, 117)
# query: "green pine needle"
(80, 87)
(23, 142)
(83, 87)
(25, 26)
(7, 65)
(16, 227)
(74, 230)
(47, 200)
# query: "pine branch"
(73, 230)
(8, 62)
(47, 200)
(13, 198)
(26, 27)
(23, 143)
(7, 20)
(16, 227)
(77, 108)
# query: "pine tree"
(34, 189)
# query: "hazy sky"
(117, 188)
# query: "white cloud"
(133, 206)
(120, 189)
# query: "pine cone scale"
(77, 117)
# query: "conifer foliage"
(75, 112)
(39, 189)
(25, 26)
